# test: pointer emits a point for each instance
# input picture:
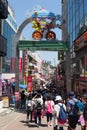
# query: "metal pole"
(68, 68)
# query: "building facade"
(74, 29)
(3, 41)
(9, 29)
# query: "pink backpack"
(49, 107)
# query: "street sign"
(51, 45)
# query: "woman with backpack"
(38, 99)
(49, 105)
(60, 118)
(29, 107)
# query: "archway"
(17, 38)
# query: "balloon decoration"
(43, 22)
(37, 35)
(50, 35)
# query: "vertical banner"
(20, 65)
(0, 85)
(30, 87)
(25, 65)
(20, 60)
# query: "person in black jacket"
(72, 117)
(85, 111)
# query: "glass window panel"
(85, 7)
(74, 20)
(82, 68)
(81, 2)
(86, 67)
(85, 20)
(81, 11)
(77, 31)
(73, 8)
(73, 35)
(70, 38)
(77, 4)
(77, 18)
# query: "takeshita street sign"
(43, 45)
(43, 22)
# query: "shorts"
(73, 120)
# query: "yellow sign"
(5, 101)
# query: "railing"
(3, 46)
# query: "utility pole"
(68, 69)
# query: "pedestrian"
(38, 99)
(80, 104)
(29, 106)
(49, 105)
(56, 113)
(23, 99)
(85, 111)
(73, 116)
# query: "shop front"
(80, 45)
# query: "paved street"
(16, 120)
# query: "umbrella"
(22, 86)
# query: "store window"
(86, 67)
(82, 68)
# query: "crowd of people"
(74, 107)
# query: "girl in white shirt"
(58, 103)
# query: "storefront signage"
(31, 67)
(81, 41)
(5, 101)
(30, 87)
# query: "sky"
(24, 8)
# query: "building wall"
(9, 30)
(75, 16)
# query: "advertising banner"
(30, 87)
(0, 85)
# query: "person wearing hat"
(58, 103)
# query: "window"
(85, 6)
(82, 68)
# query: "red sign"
(30, 87)
(20, 64)
(29, 78)
(80, 42)
(25, 63)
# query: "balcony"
(3, 9)
(3, 46)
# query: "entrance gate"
(50, 45)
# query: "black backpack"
(39, 108)
(75, 109)
(85, 111)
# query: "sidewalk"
(4, 111)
